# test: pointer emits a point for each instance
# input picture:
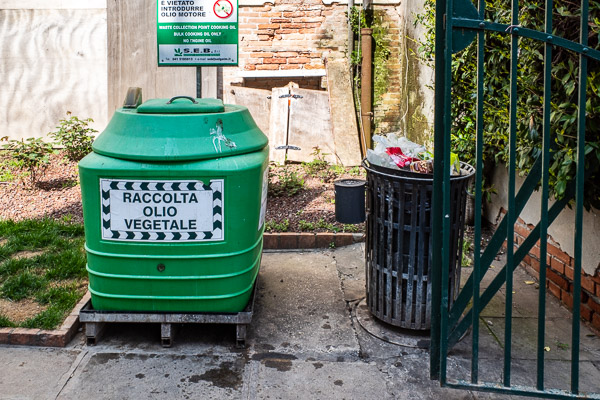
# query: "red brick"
(569, 273)
(280, 21)
(522, 230)
(261, 54)
(307, 241)
(558, 253)
(289, 66)
(324, 240)
(5, 335)
(535, 251)
(567, 299)
(271, 241)
(558, 279)
(263, 37)
(52, 338)
(267, 67)
(554, 289)
(292, 26)
(274, 61)
(594, 305)
(596, 321)
(299, 60)
(24, 336)
(588, 284)
(343, 239)
(69, 321)
(585, 312)
(557, 265)
(287, 54)
(288, 240)
(311, 66)
(268, 26)
(527, 259)
(535, 264)
(597, 290)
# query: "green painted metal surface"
(448, 325)
(174, 211)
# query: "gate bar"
(579, 198)
(511, 215)
(478, 189)
(541, 337)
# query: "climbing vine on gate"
(565, 69)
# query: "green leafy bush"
(563, 117)
(75, 136)
(31, 155)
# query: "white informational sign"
(197, 32)
(162, 211)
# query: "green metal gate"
(458, 23)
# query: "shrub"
(565, 69)
(75, 136)
(32, 155)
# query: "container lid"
(180, 131)
(181, 105)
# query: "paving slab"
(144, 375)
(319, 379)
(34, 372)
(300, 307)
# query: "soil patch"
(58, 195)
(20, 311)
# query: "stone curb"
(321, 240)
(272, 241)
(38, 337)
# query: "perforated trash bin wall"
(398, 246)
(174, 198)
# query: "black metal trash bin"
(398, 246)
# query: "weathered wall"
(559, 257)
(407, 104)
(561, 231)
(52, 60)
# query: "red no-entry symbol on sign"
(223, 8)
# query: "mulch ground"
(57, 195)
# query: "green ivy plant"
(75, 136)
(563, 117)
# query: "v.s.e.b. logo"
(178, 53)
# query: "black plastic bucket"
(350, 201)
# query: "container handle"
(182, 97)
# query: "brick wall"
(308, 82)
(290, 35)
(560, 274)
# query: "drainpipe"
(366, 114)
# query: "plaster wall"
(52, 60)
(562, 231)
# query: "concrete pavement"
(310, 338)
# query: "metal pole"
(365, 83)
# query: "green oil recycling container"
(174, 200)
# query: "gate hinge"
(287, 147)
(295, 96)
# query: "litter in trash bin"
(399, 153)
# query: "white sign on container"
(162, 211)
